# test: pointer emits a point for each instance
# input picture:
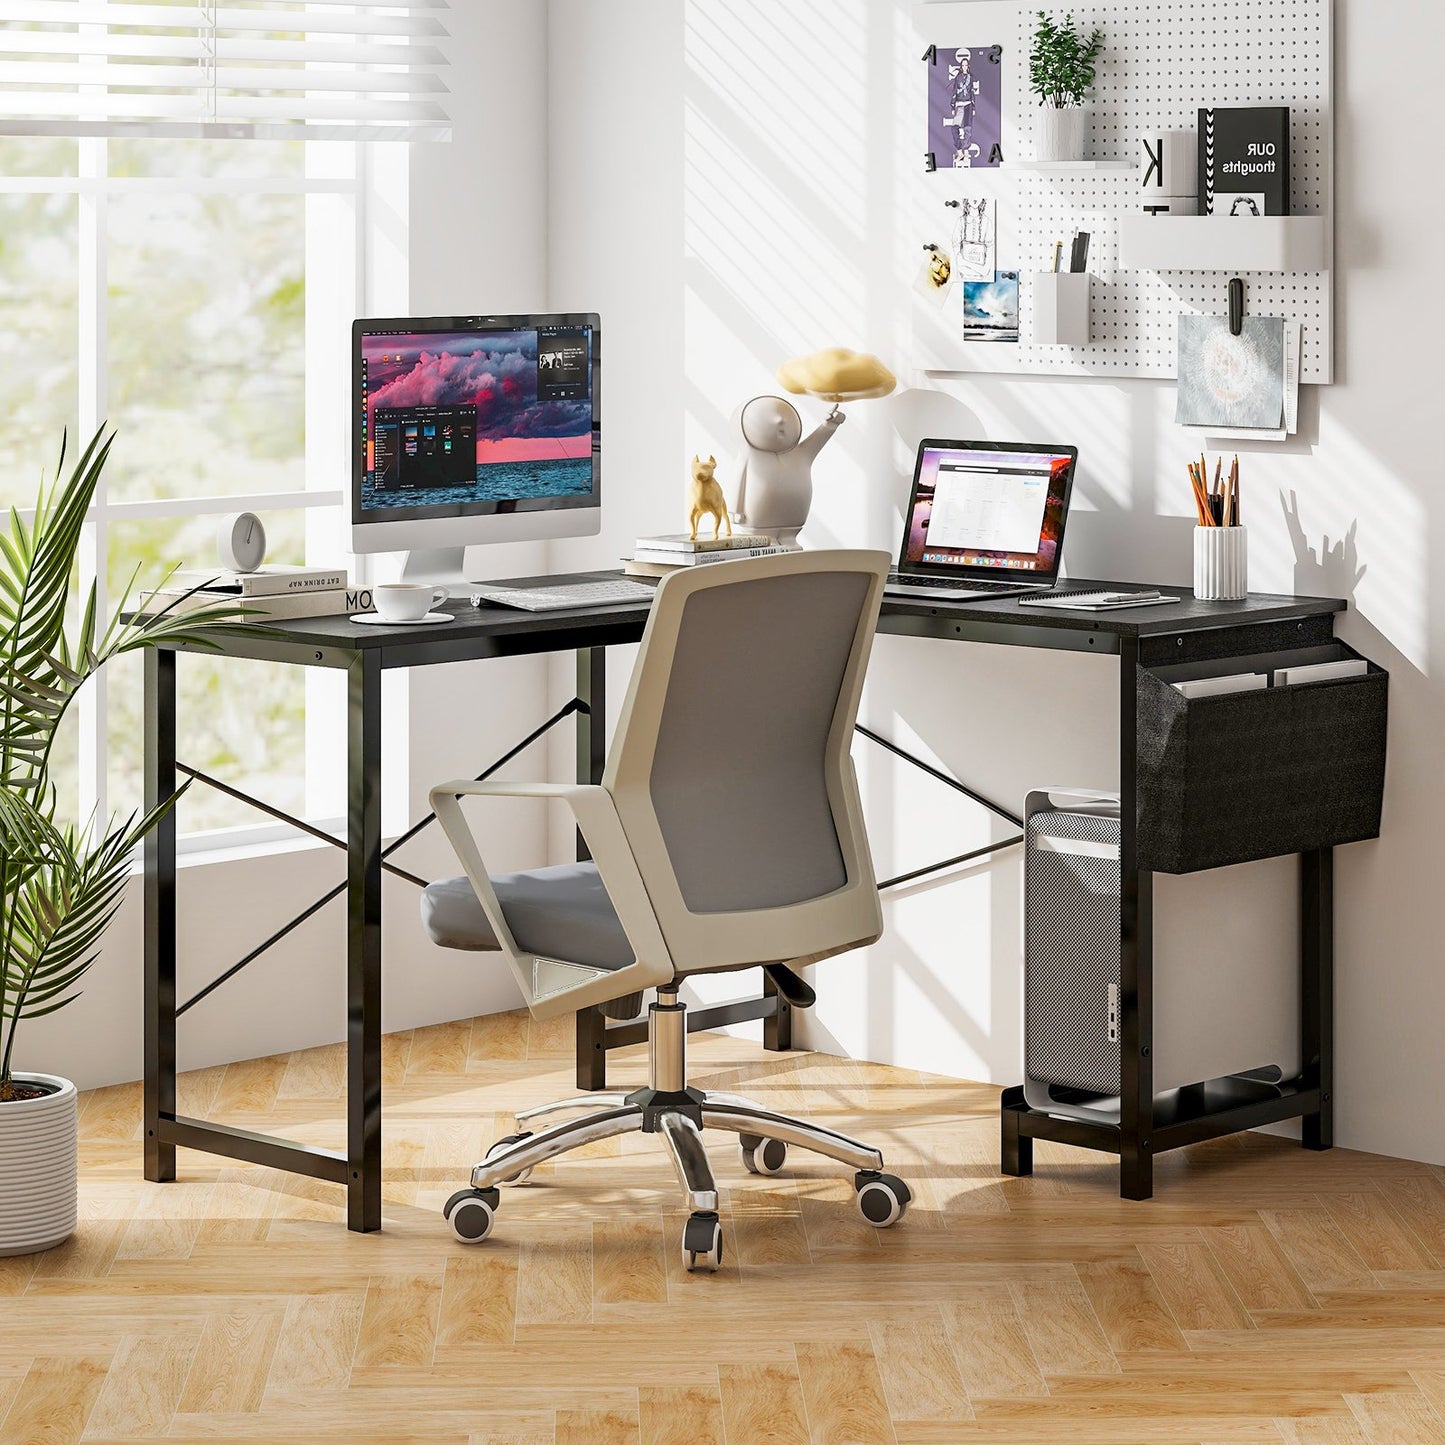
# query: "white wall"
(615, 246)
(727, 178)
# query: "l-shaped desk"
(1186, 631)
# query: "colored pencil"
(1197, 488)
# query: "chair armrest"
(591, 806)
(466, 788)
(601, 828)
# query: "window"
(161, 286)
(182, 240)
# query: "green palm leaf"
(60, 886)
(59, 915)
(60, 904)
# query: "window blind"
(246, 69)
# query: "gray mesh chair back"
(731, 771)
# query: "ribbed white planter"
(1059, 133)
(38, 1155)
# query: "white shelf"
(1223, 243)
(1068, 166)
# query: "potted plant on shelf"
(1061, 73)
(60, 882)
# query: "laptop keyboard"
(950, 584)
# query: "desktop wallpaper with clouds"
(498, 377)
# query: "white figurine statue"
(775, 481)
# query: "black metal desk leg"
(1136, 934)
(1317, 991)
(777, 1026)
(592, 720)
(591, 757)
(159, 1044)
(591, 1049)
(363, 942)
(1016, 1149)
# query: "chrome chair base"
(678, 1115)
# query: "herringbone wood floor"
(1265, 1294)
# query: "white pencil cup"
(1221, 564)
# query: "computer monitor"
(473, 429)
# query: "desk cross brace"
(576, 705)
(951, 782)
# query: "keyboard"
(616, 593)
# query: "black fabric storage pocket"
(1246, 775)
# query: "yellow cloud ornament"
(837, 374)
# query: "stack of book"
(657, 556)
(272, 594)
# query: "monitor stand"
(439, 567)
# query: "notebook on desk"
(984, 519)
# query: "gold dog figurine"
(705, 499)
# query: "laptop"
(985, 519)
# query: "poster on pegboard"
(965, 103)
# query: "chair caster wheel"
(505, 1142)
(702, 1243)
(471, 1214)
(762, 1156)
(882, 1198)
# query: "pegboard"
(1162, 60)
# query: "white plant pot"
(38, 1165)
(1059, 134)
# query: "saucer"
(375, 619)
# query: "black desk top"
(1187, 615)
(487, 620)
(476, 632)
(494, 631)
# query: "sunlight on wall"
(775, 188)
(1376, 551)
(772, 208)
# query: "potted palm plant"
(60, 882)
(1061, 74)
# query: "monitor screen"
(988, 509)
(474, 416)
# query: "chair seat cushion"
(559, 912)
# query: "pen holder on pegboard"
(1061, 308)
(1221, 564)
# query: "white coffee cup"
(406, 601)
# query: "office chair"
(726, 833)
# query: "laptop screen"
(988, 509)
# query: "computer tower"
(1217, 1011)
